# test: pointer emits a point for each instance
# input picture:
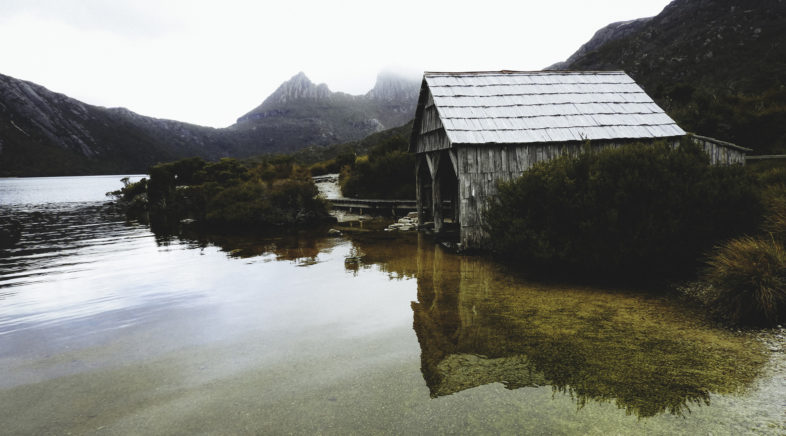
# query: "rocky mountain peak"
(390, 103)
(393, 87)
(299, 87)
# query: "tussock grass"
(775, 218)
(748, 278)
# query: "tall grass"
(775, 217)
(748, 278)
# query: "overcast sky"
(209, 62)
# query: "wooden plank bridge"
(377, 207)
(328, 185)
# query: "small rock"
(334, 232)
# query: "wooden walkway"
(377, 207)
(328, 185)
(372, 206)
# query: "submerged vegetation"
(227, 195)
(479, 324)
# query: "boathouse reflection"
(477, 325)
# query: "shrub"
(129, 189)
(387, 172)
(242, 205)
(227, 194)
(641, 211)
(748, 278)
(326, 167)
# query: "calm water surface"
(107, 328)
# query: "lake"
(109, 328)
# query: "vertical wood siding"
(481, 168)
(431, 134)
(721, 153)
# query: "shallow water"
(107, 328)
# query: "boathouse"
(473, 129)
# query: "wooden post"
(419, 191)
(437, 204)
(455, 200)
(455, 204)
(454, 160)
(436, 193)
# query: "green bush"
(129, 189)
(748, 279)
(640, 211)
(326, 167)
(333, 166)
(387, 172)
(242, 205)
(228, 194)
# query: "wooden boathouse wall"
(481, 168)
(721, 152)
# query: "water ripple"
(66, 263)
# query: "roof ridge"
(547, 115)
(521, 72)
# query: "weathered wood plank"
(432, 141)
(463, 157)
(419, 191)
(454, 160)
(432, 159)
(436, 195)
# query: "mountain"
(718, 67)
(46, 133)
(301, 113)
(43, 133)
(612, 32)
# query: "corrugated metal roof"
(545, 106)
